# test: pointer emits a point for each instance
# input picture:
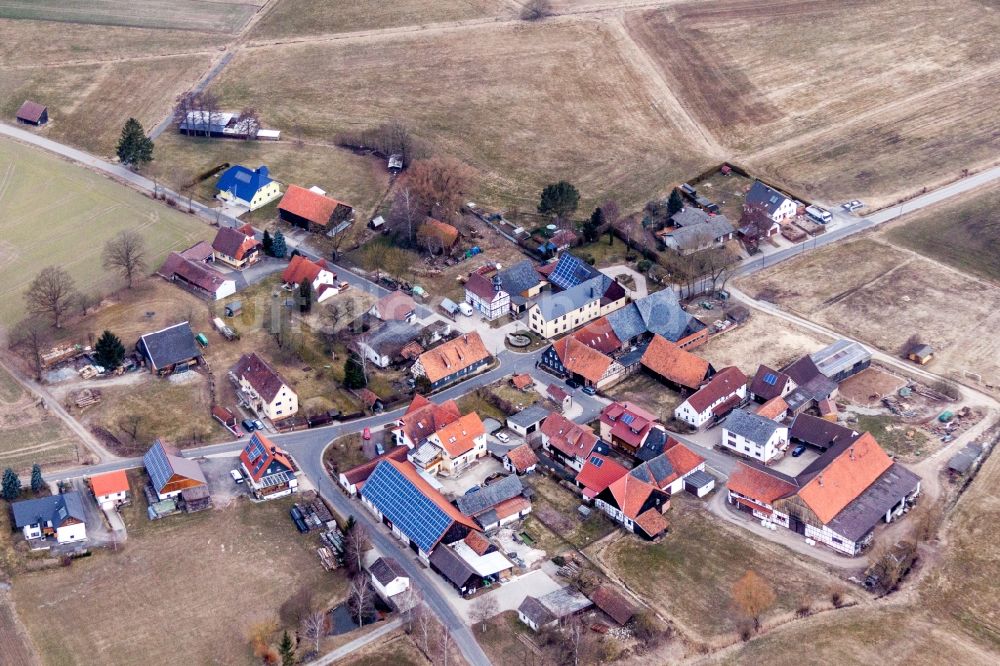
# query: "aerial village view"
(499, 332)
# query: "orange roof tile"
(847, 476)
(761, 486)
(580, 359)
(522, 381)
(310, 205)
(459, 436)
(109, 483)
(673, 363)
(444, 231)
(595, 477)
(453, 356)
(652, 522)
(477, 542)
(681, 458)
(773, 408)
(423, 417)
(522, 457)
(512, 506)
(300, 268)
(630, 493)
(395, 306)
(571, 438)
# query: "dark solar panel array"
(628, 418)
(596, 462)
(770, 379)
(569, 272)
(409, 510)
(157, 466)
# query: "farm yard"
(882, 295)
(517, 125)
(223, 15)
(28, 433)
(73, 197)
(113, 603)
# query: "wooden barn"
(171, 475)
(32, 113)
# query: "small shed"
(32, 113)
(234, 308)
(449, 306)
(738, 314)
(376, 222)
(699, 483)
(922, 354)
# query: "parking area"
(793, 466)
(474, 475)
(220, 484)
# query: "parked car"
(379, 449)
(798, 451)
(852, 205)
(573, 384)
(503, 437)
(589, 390)
(248, 425)
(258, 425)
(366, 434)
(237, 477)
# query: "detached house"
(768, 384)
(422, 419)
(754, 436)
(194, 276)
(487, 295)
(568, 357)
(455, 359)
(459, 444)
(236, 248)
(569, 442)
(385, 344)
(626, 425)
(395, 306)
(300, 269)
(252, 188)
(58, 516)
(263, 389)
(110, 489)
(269, 470)
(723, 392)
(636, 504)
(778, 207)
(311, 209)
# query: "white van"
(818, 214)
(465, 309)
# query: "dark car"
(248, 425)
(573, 384)
(798, 451)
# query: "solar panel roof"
(596, 462)
(571, 271)
(157, 465)
(406, 507)
(770, 379)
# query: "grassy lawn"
(891, 435)
(690, 574)
(500, 639)
(604, 254)
(177, 14)
(345, 452)
(556, 508)
(74, 199)
(10, 390)
(964, 233)
(473, 402)
(647, 392)
(186, 567)
(398, 649)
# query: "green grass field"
(176, 14)
(53, 212)
(964, 234)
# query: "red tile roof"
(522, 381)
(512, 506)
(453, 356)
(447, 234)
(639, 420)
(309, 205)
(423, 418)
(109, 483)
(264, 379)
(192, 272)
(30, 111)
(725, 383)
(630, 494)
(300, 268)
(580, 359)
(395, 306)
(681, 458)
(234, 243)
(522, 457)
(761, 486)
(598, 473)
(599, 335)
(481, 286)
(270, 453)
(652, 522)
(556, 393)
(568, 437)
(459, 436)
(613, 603)
(477, 542)
(411, 350)
(674, 364)
(773, 408)
(847, 476)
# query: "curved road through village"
(308, 446)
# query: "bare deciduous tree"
(131, 425)
(250, 120)
(424, 621)
(314, 628)
(445, 644)
(357, 543)
(439, 185)
(534, 10)
(405, 213)
(361, 600)
(32, 337)
(753, 595)
(51, 294)
(483, 609)
(125, 253)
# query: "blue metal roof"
(412, 512)
(242, 182)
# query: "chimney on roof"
(850, 453)
(819, 480)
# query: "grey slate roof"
(626, 322)
(655, 470)
(386, 569)
(170, 345)
(533, 609)
(653, 444)
(389, 338)
(528, 416)
(760, 193)
(689, 216)
(839, 356)
(519, 277)
(663, 315)
(750, 426)
(702, 235)
(699, 478)
(864, 512)
(451, 566)
(54, 509)
(557, 304)
(489, 496)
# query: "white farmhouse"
(754, 436)
(726, 390)
(61, 517)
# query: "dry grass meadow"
(881, 295)
(219, 15)
(182, 590)
(29, 434)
